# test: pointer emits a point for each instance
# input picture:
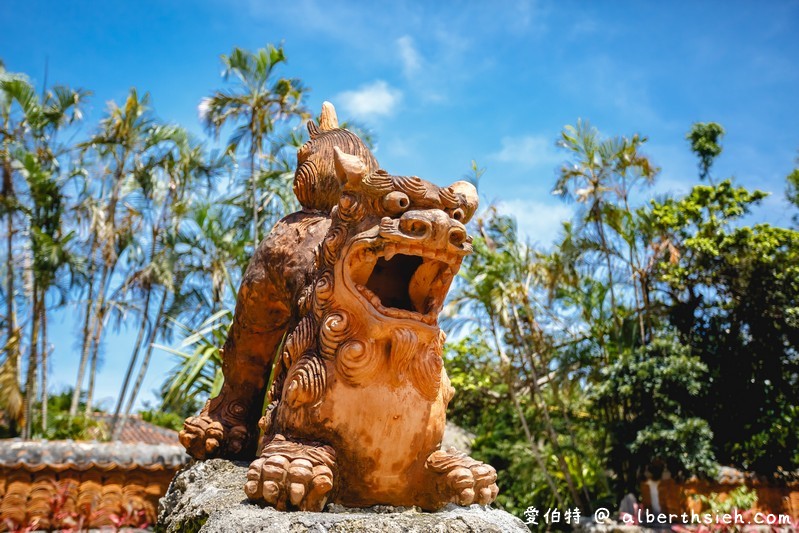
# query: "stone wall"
(674, 496)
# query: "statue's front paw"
(461, 479)
(207, 436)
(292, 475)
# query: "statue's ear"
(350, 169)
(467, 194)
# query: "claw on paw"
(205, 437)
(292, 475)
(463, 480)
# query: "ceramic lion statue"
(339, 306)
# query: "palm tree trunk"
(99, 324)
(44, 365)
(88, 324)
(8, 194)
(145, 362)
(253, 152)
(87, 410)
(105, 277)
(97, 335)
(95, 352)
(33, 364)
(116, 427)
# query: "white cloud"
(537, 221)
(371, 100)
(409, 56)
(528, 151)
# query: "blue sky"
(442, 83)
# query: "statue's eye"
(458, 214)
(396, 202)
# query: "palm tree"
(121, 148)
(255, 106)
(182, 168)
(11, 130)
(50, 247)
(36, 158)
(600, 176)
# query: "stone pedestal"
(209, 496)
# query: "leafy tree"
(732, 295)
(650, 392)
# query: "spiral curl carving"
(323, 292)
(350, 208)
(357, 362)
(332, 244)
(335, 328)
(448, 198)
(411, 185)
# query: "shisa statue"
(339, 308)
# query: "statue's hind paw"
(290, 475)
(215, 433)
(461, 479)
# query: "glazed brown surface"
(354, 283)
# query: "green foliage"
(653, 390)
(61, 426)
(704, 138)
(792, 191)
(199, 371)
(740, 499)
(732, 295)
(165, 419)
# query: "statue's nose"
(434, 227)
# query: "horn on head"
(349, 168)
(328, 120)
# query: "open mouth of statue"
(404, 281)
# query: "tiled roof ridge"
(137, 429)
(74, 455)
